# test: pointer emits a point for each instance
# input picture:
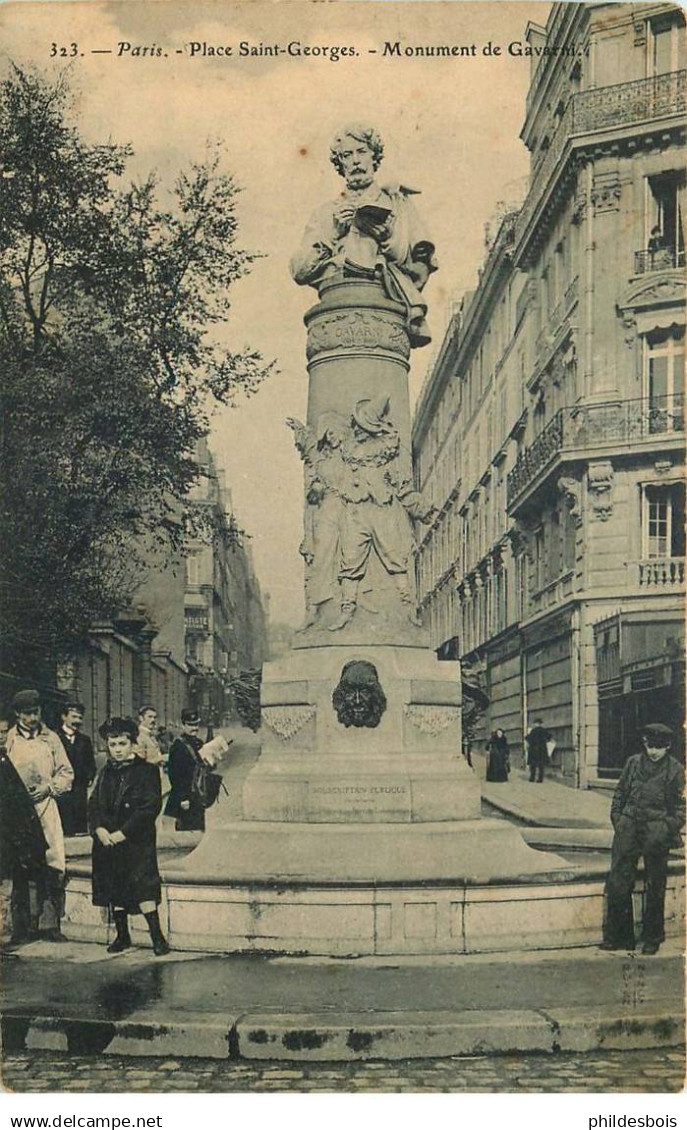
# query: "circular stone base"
(347, 919)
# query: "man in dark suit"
(537, 753)
(79, 750)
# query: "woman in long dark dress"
(182, 803)
(498, 759)
(123, 807)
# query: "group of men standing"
(45, 776)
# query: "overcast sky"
(451, 128)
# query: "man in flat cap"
(40, 760)
(647, 813)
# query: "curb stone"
(325, 1036)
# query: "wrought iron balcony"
(627, 103)
(624, 104)
(661, 260)
(595, 425)
(662, 572)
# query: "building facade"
(550, 431)
(225, 619)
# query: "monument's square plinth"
(385, 750)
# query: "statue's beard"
(359, 181)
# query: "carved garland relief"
(430, 719)
(286, 721)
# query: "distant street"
(646, 1072)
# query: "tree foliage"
(109, 295)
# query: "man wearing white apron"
(40, 760)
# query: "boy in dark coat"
(181, 766)
(73, 805)
(647, 813)
(122, 810)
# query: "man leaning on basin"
(647, 813)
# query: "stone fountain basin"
(552, 909)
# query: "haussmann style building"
(226, 622)
(550, 431)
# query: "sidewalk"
(77, 998)
(545, 805)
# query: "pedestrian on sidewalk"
(184, 760)
(647, 813)
(22, 843)
(147, 746)
(78, 747)
(498, 756)
(39, 758)
(123, 808)
(537, 754)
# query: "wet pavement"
(82, 981)
(648, 1072)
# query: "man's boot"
(160, 943)
(122, 940)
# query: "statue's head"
(356, 153)
(359, 699)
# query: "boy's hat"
(658, 732)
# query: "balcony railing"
(662, 573)
(624, 104)
(595, 425)
(661, 260)
(531, 461)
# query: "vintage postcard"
(342, 574)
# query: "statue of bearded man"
(369, 231)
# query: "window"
(665, 45)
(665, 236)
(569, 540)
(539, 415)
(539, 559)
(520, 585)
(560, 270)
(192, 569)
(664, 520)
(553, 566)
(664, 379)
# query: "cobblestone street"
(655, 1071)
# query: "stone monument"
(360, 776)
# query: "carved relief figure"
(322, 518)
(378, 506)
(369, 231)
(358, 698)
(357, 502)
